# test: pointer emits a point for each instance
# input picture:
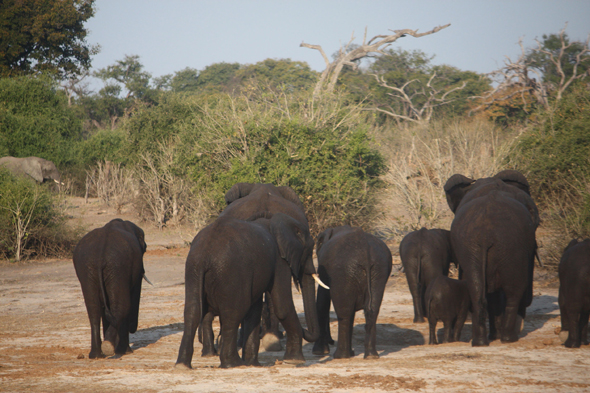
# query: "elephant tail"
(101, 284)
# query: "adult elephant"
(574, 293)
(356, 265)
(425, 254)
(109, 266)
(231, 264)
(35, 168)
(493, 238)
(245, 200)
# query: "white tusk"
(148, 281)
(320, 283)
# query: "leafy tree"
(44, 36)
(185, 80)
(128, 73)
(218, 77)
(291, 75)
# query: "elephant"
(230, 265)
(356, 266)
(34, 167)
(447, 300)
(493, 239)
(245, 200)
(574, 293)
(109, 266)
(425, 254)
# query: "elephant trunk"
(312, 333)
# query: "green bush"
(43, 228)
(35, 120)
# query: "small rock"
(557, 330)
(548, 341)
(81, 356)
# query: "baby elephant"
(574, 293)
(356, 267)
(425, 254)
(109, 265)
(447, 300)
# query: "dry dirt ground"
(45, 340)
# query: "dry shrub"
(422, 158)
(112, 183)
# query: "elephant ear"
(291, 240)
(32, 167)
(138, 232)
(514, 178)
(455, 189)
(289, 194)
(528, 202)
(238, 190)
(322, 238)
(570, 245)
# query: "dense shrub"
(28, 215)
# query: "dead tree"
(514, 78)
(413, 111)
(376, 44)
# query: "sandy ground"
(45, 340)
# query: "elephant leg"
(94, 315)
(417, 297)
(120, 308)
(510, 322)
(459, 324)
(206, 336)
(584, 327)
(574, 323)
(123, 334)
(345, 327)
(321, 346)
(192, 316)
(371, 325)
(282, 300)
(432, 330)
(448, 325)
(251, 333)
(134, 313)
(228, 352)
(479, 316)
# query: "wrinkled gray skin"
(109, 266)
(231, 264)
(574, 292)
(35, 168)
(245, 200)
(356, 267)
(425, 255)
(447, 300)
(493, 238)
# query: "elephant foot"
(95, 355)
(271, 343)
(331, 341)
(343, 354)
(108, 349)
(371, 355)
(182, 366)
(209, 353)
(571, 344)
(321, 348)
(519, 323)
(232, 363)
(253, 363)
(419, 319)
(479, 342)
(563, 335)
(509, 338)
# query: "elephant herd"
(244, 262)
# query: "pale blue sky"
(173, 34)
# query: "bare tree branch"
(376, 44)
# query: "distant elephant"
(33, 167)
(245, 200)
(109, 265)
(231, 264)
(574, 293)
(447, 300)
(425, 255)
(493, 238)
(356, 267)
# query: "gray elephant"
(231, 264)
(574, 293)
(109, 266)
(447, 300)
(35, 168)
(425, 254)
(356, 266)
(245, 200)
(493, 239)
